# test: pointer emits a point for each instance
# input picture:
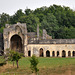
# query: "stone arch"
(21, 36)
(73, 53)
(63, 53)
(53, 53)
(69, 53)
(29, 53)
(57, 53)
(47, 53)
(18, 31)
(16, 43)
(41, 52)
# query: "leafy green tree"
(50, 24)
(12, 55)
(1, 29)
(59, 21)
(61, 33)
(15, 18)
(32, 21)
(28, 11)
(4, 19)
(34, 62)
(15, 56)
(70, 32)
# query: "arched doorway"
(16, 43)
(47, 53)
(63, 53)
(29, 53)
(57, 53)
(53, 53)
(73, 53)
(41, 52)
(69, 53)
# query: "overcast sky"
(11, 6)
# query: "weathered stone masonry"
(17, 38)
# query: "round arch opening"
(53, 53)
(41, 52)
(63, 53)
(47, 53)
(16, 43)
(69, 53)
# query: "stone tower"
(15, 37)
(37, 31)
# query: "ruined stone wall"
(35, 49)
(47, 45)
(45, 35)
(19, 30)
(53, 41)
(57, 41)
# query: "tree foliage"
(15, 56)
(57, 20)
(12, 55)
(34, 62)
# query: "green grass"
(48, 62)
(2, 59)
(46, 65)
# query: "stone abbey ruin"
(17, 38)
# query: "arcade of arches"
(52, 53)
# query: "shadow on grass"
(3, 63)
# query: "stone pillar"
(31, 52)
(44, 53)
(71, 54)
(25, 51)
(9, 41)
(6, 40)
(55, 53)
(25, 42)
(66, 53)
(50, 53)
(5, 46)
(25, 46)
(60, 53)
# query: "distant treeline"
(58, 21)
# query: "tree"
(50, 24)
(34, 62)
(1, 29)
(28, 11)
(15, 18)
(57, 20)
(15, 56)
(32, 21)
(12, 55)
(4, 18)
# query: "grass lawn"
(47, 66)
(48, 62)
